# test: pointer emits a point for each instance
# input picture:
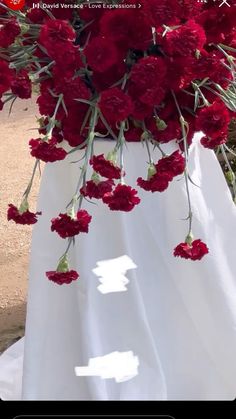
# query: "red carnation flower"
(185, 40)
(36, 15)
(72, 123)
(61, 278)
(212, 65)
(102, 81)
(171, 132)
(127, 28)
(66, 226)
(115, 105)
(213, 142)
(173, 164)
(56, 32)
(157, 183)
(21, 86)
(134, 134)
(68, 62)
(213, 120)
(71, 88)
(46, 151)
(6, 76)
(218, 23)
(105, 167)
(194, 251)
(181, 71)
(147, 81)
(19, 217)
(162, 12)
(96, 190)
(101, 54)
(148, 71)
(9, 32)
(122, 198)
(141, 110)
(160, 174)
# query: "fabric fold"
(178, 317)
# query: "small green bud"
(161, 125)
(24, 206)
(63, 265)
(189, 238)
(144, 136)
(112, 156)
(71, 212)
(230, 177)
(151, 170)
(95, 177)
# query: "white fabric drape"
(178, 317)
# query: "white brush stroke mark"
(122, 366)
(112, 272)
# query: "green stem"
(121, 140)
(148, 151)
(90, 139)
(182, 123)
(70, 241)
(45, 68)
(28, 189)
(196, 87)
(52, 121)
(230, 169)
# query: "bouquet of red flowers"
(153, 71)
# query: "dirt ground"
(15, 170)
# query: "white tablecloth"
(176, 318)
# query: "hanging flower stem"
(90, 139)
(186, 174)
(52, 120)
(28, 189)
(70, 241)
(148, 151)
(233, 182)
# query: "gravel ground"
(15, 170)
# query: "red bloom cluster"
(66, 226)
(97, 190)
(148, 81)
(128, 73)
(115, 105)
(46, 150)
(185, 40)
(6, 77)
(194, 251)
(109, 44)
(105, 168)
(122, 198)
(61, 278)
(8, 33)
(25, 217)
(101, 54)
(173, 164)
(213, 121)
(163, 172)
(21, 85)
(126, 28)
(56, 32)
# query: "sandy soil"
(15, 169)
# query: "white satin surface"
(178, 317)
